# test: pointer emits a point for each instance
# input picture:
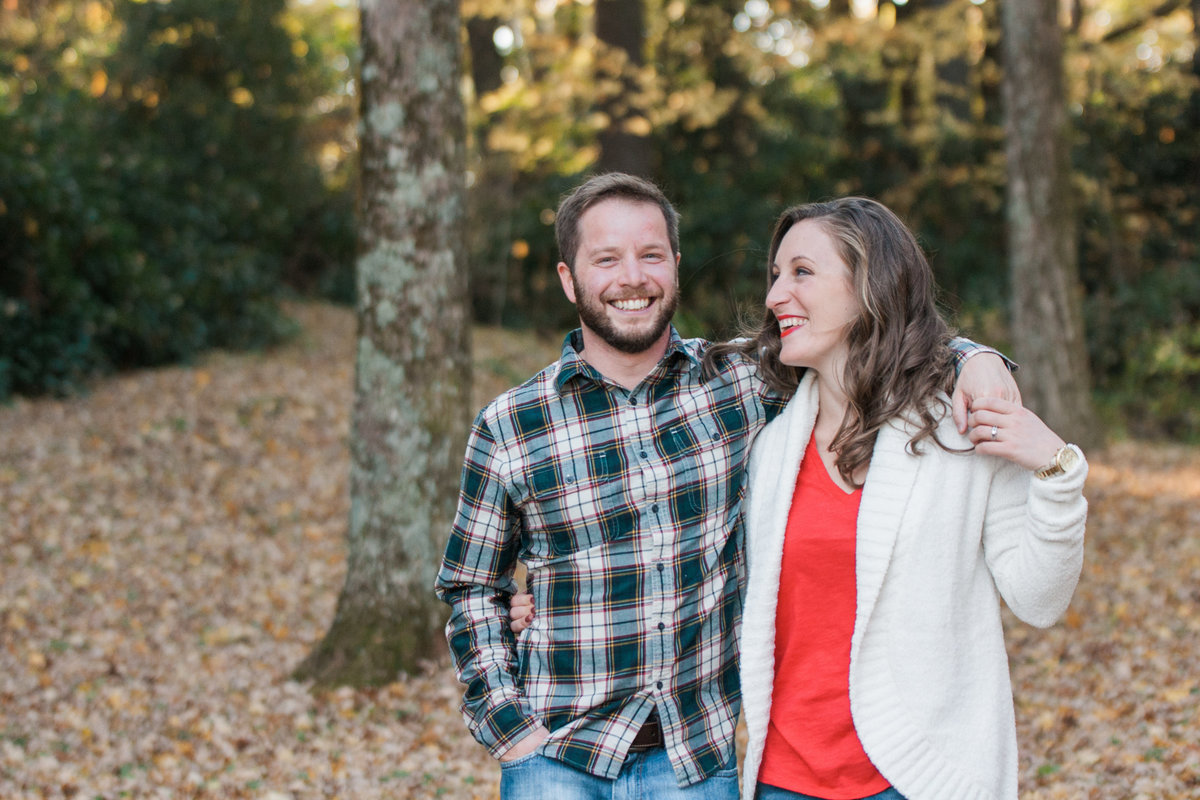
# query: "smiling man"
(623, 280)
(615, 475)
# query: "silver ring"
(995, 430)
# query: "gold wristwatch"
(1064, 459)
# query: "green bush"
(1140, 251)
(161, 218)
(54, 229)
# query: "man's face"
(625, 282)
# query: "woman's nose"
(775, 296)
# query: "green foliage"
(1138, 162)
(53, 241)
(153, 210)
(754, 107)
(166, 169)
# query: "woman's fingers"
(520, 612)
(1005, 429)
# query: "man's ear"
(568, 285)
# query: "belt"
(650, 736)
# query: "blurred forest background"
(179, 180)
(172, 171)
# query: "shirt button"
(659, 684)
(654, 508)
(661, 567)
(642, 454)
(661, 626)
(633, 401)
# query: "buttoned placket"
(652, 485)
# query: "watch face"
(1067, 458)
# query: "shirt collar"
(571, 364)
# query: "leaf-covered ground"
(172, 545)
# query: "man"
(615, 475)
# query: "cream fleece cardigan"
(939, 536)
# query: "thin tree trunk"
(621, 24)
(1195, 104)
(1047, 297)
(490, 198)
(411, 410)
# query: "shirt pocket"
(707, 451)
(578, 503)
(685, 445)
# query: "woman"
(876, 667)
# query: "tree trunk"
(490, 197)
(486, 62)
(621, 25)
(1047, 297)
(1195, 99)
(411, 410)
(953, 89)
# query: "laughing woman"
(872, 655)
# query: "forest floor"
(172, 545)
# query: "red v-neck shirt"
(811, 745)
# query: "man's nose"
(631, 273)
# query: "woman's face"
(812, 298)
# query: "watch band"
(1064, 459)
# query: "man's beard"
(592, 315)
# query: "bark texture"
(1195, 106)
(1047, 297)
(411, 410)
(621, 25)
(489, 232)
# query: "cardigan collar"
(888, 486)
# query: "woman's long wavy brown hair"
(900, 361)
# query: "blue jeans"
(768, 792)
(643, 776)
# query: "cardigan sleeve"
(1033, 540)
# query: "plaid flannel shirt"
(625, 508)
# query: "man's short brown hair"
(605, 187)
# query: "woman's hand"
(520, 611)
(1003, 428)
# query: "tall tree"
(624, 145)
(412, 372)
(1195, 98)
(1047, 297)
(490, 197)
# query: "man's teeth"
(632, 305)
